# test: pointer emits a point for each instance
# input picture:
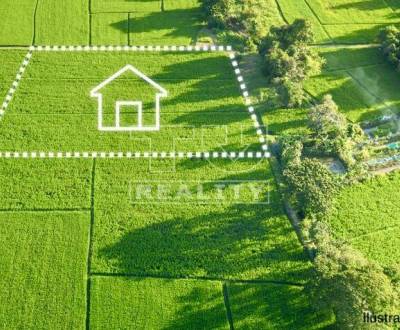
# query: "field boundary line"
(319, 21)
(34, 21)
(278, 5)
(46, 210)
(16, 82)
(198, 278)
(229, 316)
(389, 228)
(90, 245)
(247, 101)
(136, 155)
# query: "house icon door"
(119, 114)
(129, 115)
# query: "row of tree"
(289, 60)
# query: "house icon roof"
(95, 92)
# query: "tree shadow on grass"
(240, 242)
(178, 23)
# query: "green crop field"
(43, 269)
(52, 109)
(374, 225)
(171, 243)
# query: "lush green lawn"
(53, 111)
(246, 238)
(282, 307)
(367, 215)
(43, 270)
(132, 303)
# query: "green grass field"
(227, 240)
(372, 208)
(82, 249)
(62, 117)
(43, 269)
(135, 303)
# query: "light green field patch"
(365, 214)
(354, 11)
(200, 234)
(370, 206)
(381, 246)
(274, 306)
(382, 81)
(44, 184)
(62, 23)
(354, 33)
(181, 4)
(123, 6)
(298, 9)
(43, 270)
(286, 121)
(353, 100)
(10, 61)
(110, 29)
(156, 303)
(347, 58)
(53, 111)
(173, 27)
(16, 24)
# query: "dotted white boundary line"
(166, 155)
(131, 48)
(15, 83)
(93, 154)
(247, 101)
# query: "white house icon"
(133, 101)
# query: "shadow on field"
(366, 5)
(234, 243)
(179, 23)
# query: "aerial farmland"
(199, 164)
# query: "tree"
(389, 38)
(291, 152)
(349, 284)
(325, 120)
(289, 60)
(313, 185)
